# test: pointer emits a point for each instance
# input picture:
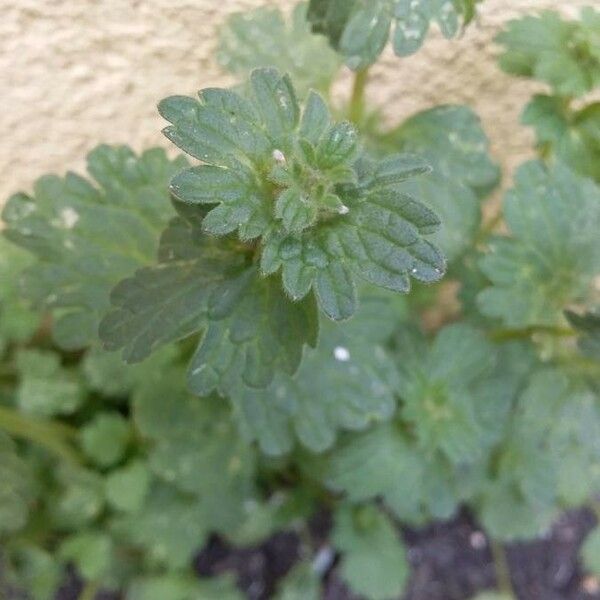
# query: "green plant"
(279, 351)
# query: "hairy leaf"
(360, 29)
(344, 384)
(564, 54)
(263, 38)
(87, 236)
(552, 255)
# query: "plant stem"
(89, 591)
(49, 434)
(503, 579)
(501, 335)
(357, 101)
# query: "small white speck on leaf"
(279, 156)
(69, 217)
(343, 210)
(342, 354)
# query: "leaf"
(452, 141)
(196, 448)
(251, 330)
(127, 487)
(567, 135)
(90, 551)
(17, 322)
(105, 438)
(264, 38)
(46, 387)
(183, 587)
(564, 54)
(301, 583)
(552, 255)
(344, 384)
(588, 325)
(86, 237)
(590, 552)
(360, 29)
(439, 392)
(290, 176)
(169, 529)
(374, 559)
(39, 572)
(17, 489)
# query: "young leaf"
(360, 29)
(263, 38)
(374, 561)
(319, 225)
(91, 552)
(87, 236)
(182, 587)
(343, 384)
(567, 135)
(127, 487)
(552, 256)
(301, 583)
(564, 54)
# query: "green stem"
(503, 579)
(502, 335)
(488, 228)
(357, 101)
(49, 434)
(89, 591)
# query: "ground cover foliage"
(223, 342)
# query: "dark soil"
(450, 561)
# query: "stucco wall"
(77, 72)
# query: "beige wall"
(77, 72)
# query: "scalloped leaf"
(87, 236)
(552, 255)
(264, 38)
(565, 54)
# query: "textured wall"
(77, 72)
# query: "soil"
(449, 560)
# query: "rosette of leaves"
(284, 213)
(564, 54)
(552, 256)
(360, 29)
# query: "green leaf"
(360, 29)
(588, 325)
(590, 552)
(251, 330)
(79, 498)
(264, 38)
(46, 388)
(439, 392)
(552, 255)
(17, 322)
(196, 448)
(301, 583)
(39, 572)
(374, 559)
(292, 179)
(105, 438)
(169, 529)
(16, 487)
(183, 587)
(571, 136)
(86, 237)
(344, 384)
(91, 552)
(564, 54)
(452, 141)
(127, 487)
